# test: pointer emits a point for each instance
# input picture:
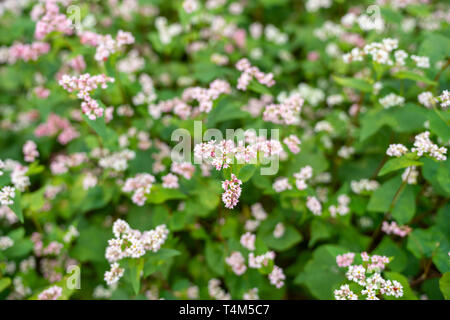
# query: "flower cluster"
(140, 185)
(394, 228)
(106, 45)
(57, 125)
(367, 275)
(52, 293)
(364, 185)
(287, 112)
(232, 192)
(84, 84)
(131, 243)
(25, 52)
(249, 72)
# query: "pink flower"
(232, 192)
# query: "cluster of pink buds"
(25, 52)
(51, 21)
(232, 192)
(206, 97)
(84, 84)
(314, 205)
(106, 44)
(287, 112)
(52, 293)
(367, 275)
(277, 277)
(140, 185)
(55, 124)
(30, 151)
(223, 153)
(249, 72)
(293, 143)
(131, 243)
(170, 181)
(237, 263)
(394, 228)
(302, 176)
(61, 163)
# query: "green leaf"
(355, 83)
(382, 197)
(422, 243)
(160, 195)
(398, 163)
(319, 231)
(410, 75)
(321, 274)
(289, 239)
(257, 87)
(16, 207)
(405, 207)
(215, 257)
(4, 283)
(444, 285)
(108, 136)
(246, 172)
(135, 268)
(154, 261)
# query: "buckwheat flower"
(7, 195)
(52, 293)
(287, 112)
(237, 262)
(281, 184)
(356, 273)
(410, 175)
(364, 185)
(421, 62)
(120, 227)
(192, 292)
(216, 292)
(314, 205)
(400, 56)
(279, 230)
(114, 274)
(6, 242)
(346, 152)
(250, 225)
(248, 241)
(170, 181)
(292, 143)
(185, 169)
(396, 150)
(394, 228)
(249, 72)
(345, 260)
(89, 181)
(258, 211)
(252, 294)
(392, 100)
(19, 178)
(190, 6)
(277, 277)
(444, 99)
(232, 192)
(260, 261)
(51, 21)
(323, 126)
(423, 145)
(334, 100)
(344, 293)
